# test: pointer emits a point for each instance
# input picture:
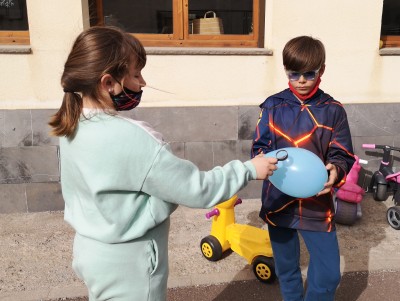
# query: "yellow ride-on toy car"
(250, 242)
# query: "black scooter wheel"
(380, 192)
(393, 217)
(346, 212)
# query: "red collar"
(307, 96)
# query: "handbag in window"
(210, 24)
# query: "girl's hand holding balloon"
(264, 166)
(331, 180)
(300, 173)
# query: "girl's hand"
(331, 180)
(264, 166)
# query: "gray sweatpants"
(135, 270)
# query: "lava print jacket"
(318, 124)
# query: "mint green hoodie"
(120, 179)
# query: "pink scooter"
(386, 181)
(349, 196)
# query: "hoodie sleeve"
(340, 152)
(261, 139)
(179, 181)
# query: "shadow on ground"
(382, 285)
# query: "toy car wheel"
(211, 248)
(393, 217)
(380, 192)
(264, 269)
(346, 212)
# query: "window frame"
(388, 41)
(15, 37)
(18, 37)
(181, 37)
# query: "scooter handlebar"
(371, 146)
(384, 147)
(362, 161)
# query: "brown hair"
(303, 53)
(96, 51)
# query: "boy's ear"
(321, 70)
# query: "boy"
(304, 116)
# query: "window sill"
(207, 51)
(389, 51)
(15, 49)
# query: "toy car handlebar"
(378, 146)
(215, 211)
(212, 213)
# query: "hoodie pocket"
(153, 256)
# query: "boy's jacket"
(320, 125)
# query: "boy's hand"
(331, 180)
(264, 166)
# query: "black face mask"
(126, 99)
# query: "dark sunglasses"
(294, 75)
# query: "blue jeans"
(323, 274)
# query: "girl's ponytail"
(65, 121)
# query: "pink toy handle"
(212, 213)
(362, 161)
(238, 201)
(371, 146)
(394, 177)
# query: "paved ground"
(355, 286)
(35, 259)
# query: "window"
(185, 23)
(13, 22)
(390, 32)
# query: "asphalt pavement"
(35, 256)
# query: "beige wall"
(355, 73)
(33, 80)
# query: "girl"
(120, 180)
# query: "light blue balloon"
(302, 174)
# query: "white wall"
(355, 73)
